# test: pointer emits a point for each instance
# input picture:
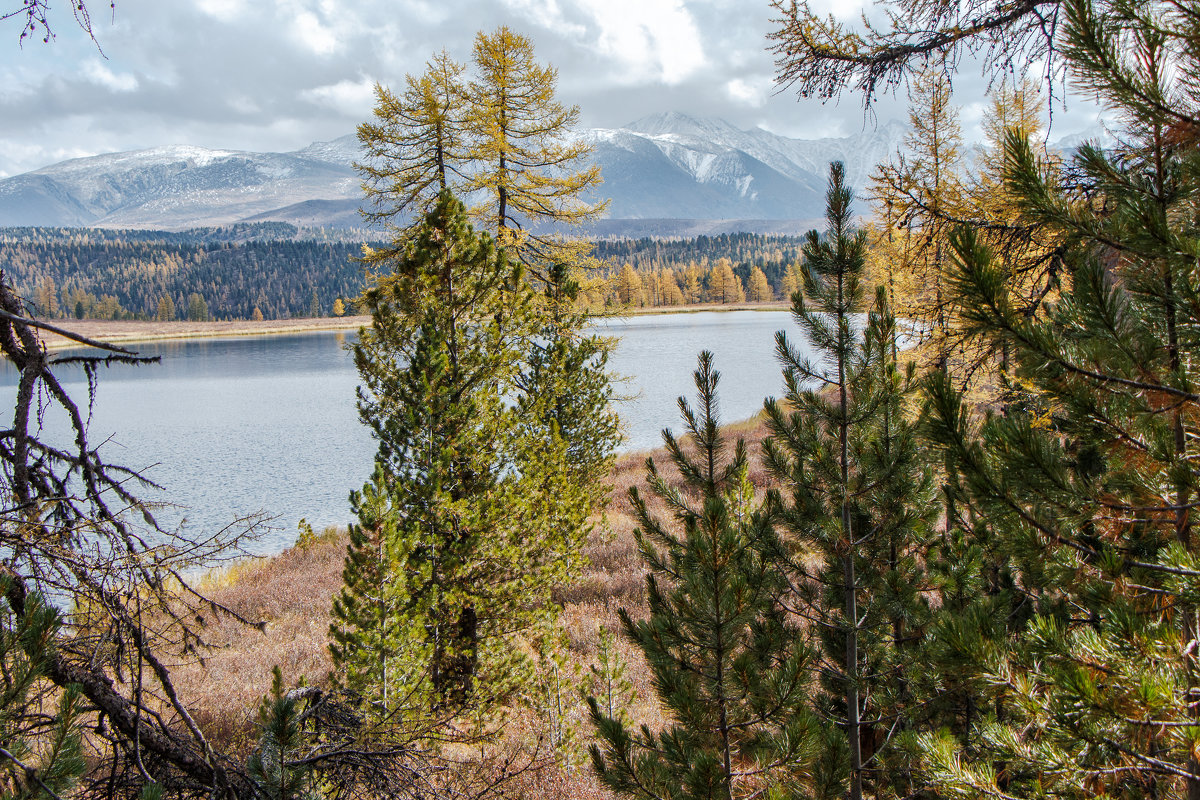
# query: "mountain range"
(666, 174)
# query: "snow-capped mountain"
(664, 167)
(171, 187)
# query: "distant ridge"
(665, 174)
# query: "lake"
(235, 426)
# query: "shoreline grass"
(123, 332)
(292, 592)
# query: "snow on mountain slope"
(666, 166)
(169, 187)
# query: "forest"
(281, 271)
(953, 559)
(98, 274)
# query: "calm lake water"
(231, 427)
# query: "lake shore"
(292, 593)
(122, 332)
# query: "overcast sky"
(279, 74)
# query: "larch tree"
(629, 286)
(919, 196)
(723, 284)
(821, 57)
(760, 288)
(524, 163)
(531, 175)
(854, 507)
(416, 145)
(1029, 252)
(669, 292)
(726, 664)
(166, 309)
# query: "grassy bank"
(292, 592)
(135, 331)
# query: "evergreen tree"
(564, 422)
(1086, 480)
(730, 670)
(367, 633)
(197, 310)
(473, 555)
(41, 754)
(281, 736)
(857, 506)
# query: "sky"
(279, 74)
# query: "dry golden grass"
(293, 592)
(132, 331)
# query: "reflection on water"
(234, 426)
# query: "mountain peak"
(674, 122)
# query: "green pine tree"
(731, 672)
(41, 747)
(366, 633)
(564, 418)
(471, 555)
(857, 505)
(281, 737)
(1086, 482)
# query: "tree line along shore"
(245, 273)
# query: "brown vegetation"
(125, 331)
(292, 594)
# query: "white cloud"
(224, 10)
(98, 73)
(547, 14)
(22, 156)
(352, 98)
(751, 92)
(314, 34)
(653, 39)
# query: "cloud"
(224, 10)
(651, 39)
(752, 92)
(347, 97)
(279, 74)
(101, 75)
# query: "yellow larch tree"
(693, 284)
(723, 285)
(416, 144)
(920, 199)
(629, 286)
(528, 170)
(760, 287)
(792, 282)
(669, 292)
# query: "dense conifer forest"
(106, 274)
(276, 268)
